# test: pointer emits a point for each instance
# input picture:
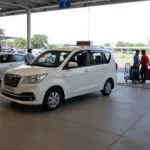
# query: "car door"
(107, 67)
(5, 63)
(17, 60)
(97, 70)
(77, 79)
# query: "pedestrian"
(144, 66)
(29, 57)
(135, 67)
(136, 59)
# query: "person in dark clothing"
(144, 66)
(136, 59)
(29, 57)
(135, 67)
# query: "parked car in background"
(37, 52)
(20, 52)
(8, 60)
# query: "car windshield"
(50, 59)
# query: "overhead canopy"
(14, 7)
(6, 37)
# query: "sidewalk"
(121, 81)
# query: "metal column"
(28, 28)
(89, 23)
(6, 46)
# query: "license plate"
(9, 89)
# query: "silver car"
(8, 60)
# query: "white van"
(60, 74)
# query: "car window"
(18, 58)
(96, 58)
(80, 58)
(63, 56)
(50, 59)
(5, 58)
(107, 57)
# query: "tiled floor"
(91, 122)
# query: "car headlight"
(34, 79)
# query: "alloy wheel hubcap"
(108, 87)
(53, 99)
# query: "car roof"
(3, 53)
(78, 48)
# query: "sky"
(128, 22)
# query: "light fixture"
(0, 8)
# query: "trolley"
(128, 73)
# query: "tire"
(53, 99)
(107, 88)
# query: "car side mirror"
(72, 65)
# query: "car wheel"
(53, 99)
(107, 88)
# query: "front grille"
(11, 80)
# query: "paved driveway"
(90, 122)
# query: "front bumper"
(24, 94)
(20, 101)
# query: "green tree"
(120, 44)
(50, 46)
(140, 45)
(64, 45)
(20, 43)
(127, 44)
(2, 31)
(107, 45)
(39, 41)
(10, 43)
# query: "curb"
(133, 86)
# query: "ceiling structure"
(6, 37)
(14, 7)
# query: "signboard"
(64, 4)
(84, 43)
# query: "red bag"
(148, 74)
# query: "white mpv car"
(59, 74)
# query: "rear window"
(18, 58)
(107, 57)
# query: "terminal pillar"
(14, 43)
(89, 22)
(28, 28)
(6, 46)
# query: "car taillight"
(116, 66)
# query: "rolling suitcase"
(135, 74)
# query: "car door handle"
(63, 76)
(86, 70)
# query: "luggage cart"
(128, 73)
